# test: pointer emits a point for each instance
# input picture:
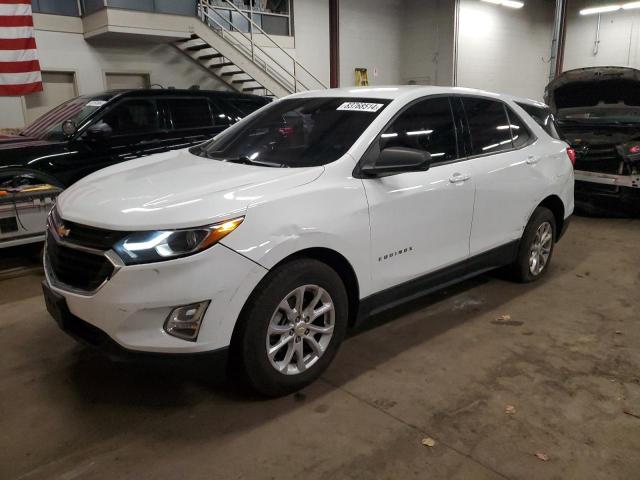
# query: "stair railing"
(287, 76)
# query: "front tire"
(536, 247)
(291, 327)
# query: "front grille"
(599, 158)
(86, 236)
(92, 237)
(77, 269)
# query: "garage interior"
(484, 379)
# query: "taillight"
(634, 150)
(571, 153)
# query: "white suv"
(312, 213)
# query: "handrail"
(251, 55)
(253, 26)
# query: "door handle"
(459, 178)
(532, 160)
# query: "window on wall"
(57, 88)
(56, 7)
(488, 125)
(428, 125)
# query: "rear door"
(504, 167)
(193, 120)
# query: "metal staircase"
(243, 60)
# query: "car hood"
(174, 190)
(592, 87)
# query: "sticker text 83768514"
(360, 107)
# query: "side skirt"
(421, 286)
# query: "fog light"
(184, 322)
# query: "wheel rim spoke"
(318, 329)
(276, 348)
(300, 357)
(315, 346)
(276, 329)
(287, 357)
(299, 298)
(321, 311)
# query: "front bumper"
(130, 309)
(92, 336)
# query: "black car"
(598, 114)
(91, 132)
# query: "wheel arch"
(341, 265)
(556, 205)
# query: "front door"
(420, 221)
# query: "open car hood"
(590, 87)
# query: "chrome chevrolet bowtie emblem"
(63, 231)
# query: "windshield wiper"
(243, 159)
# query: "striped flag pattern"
(19, 66)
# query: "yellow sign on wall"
(362, 77)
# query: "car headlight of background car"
(155, 246)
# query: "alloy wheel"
(541, 249)
(300, 329)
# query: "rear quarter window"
(543, 117)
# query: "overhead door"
(117, 81)
(58, 87)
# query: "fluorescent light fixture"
(631, 6)
(420, 132)
(506, 3)
(602, 9)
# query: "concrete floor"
(568, 361)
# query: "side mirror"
(99, 132)
(398, 160)
(69, 128)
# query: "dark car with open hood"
(598, 114)
(90, 132)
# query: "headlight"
(155, 246)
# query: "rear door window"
(543, 117)
(488, 125)
(190, 113)
(427, 125)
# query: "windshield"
(49, 125)
(304, 132)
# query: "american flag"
(19, 66)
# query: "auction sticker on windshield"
(360, 106)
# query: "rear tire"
(536, 247)
(291, 327)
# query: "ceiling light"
(631, 6)
(603, 9)
(506, 3)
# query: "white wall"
(504, 49)
(619, 38)
(427, 42)
(311, 25)
(371, 37)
